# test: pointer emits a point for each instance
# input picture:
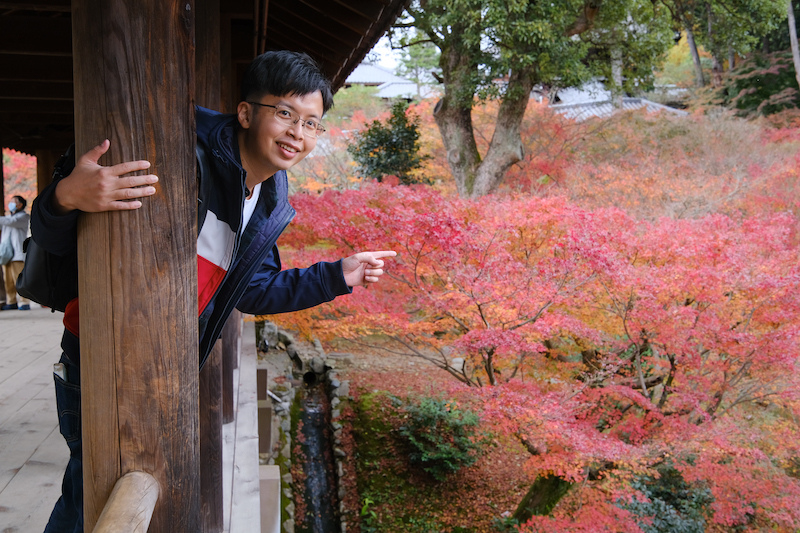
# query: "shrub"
(390, 149)
(672, 505)
(443, 438)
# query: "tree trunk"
(506, 147)
(616, 78)
(453, 115)
(699, 80)
(540, 499)
(731, 59)
(716, 64)
(793, 39)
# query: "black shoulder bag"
(48, 279)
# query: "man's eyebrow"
(289, 106)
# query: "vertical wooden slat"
(230, 355)
(134, 84)
(211, 442)
(207, 76)
(45, 161)
(229, 98)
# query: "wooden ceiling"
(36, 93)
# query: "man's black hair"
(22, 203)
(282, 73)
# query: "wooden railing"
(130, 506)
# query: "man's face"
(268, 144)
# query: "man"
(243, 208)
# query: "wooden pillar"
(207, 75)
(231, 334)
(45, 162)
(134, 84)
(229, 96)
(2, 181)
(212, 496)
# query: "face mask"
(12, 206)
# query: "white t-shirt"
(250, 206)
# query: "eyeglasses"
(286, 116)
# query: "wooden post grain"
(207, 76)
(134, 84)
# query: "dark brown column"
(207, 77)
(45, 162)
(134, 84)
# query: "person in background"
(15, 229)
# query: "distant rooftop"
(389, 85)
(373, 75)
(594, 100)
(587, 110)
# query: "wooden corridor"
(33, 454)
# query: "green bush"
(673, 505)
(390, 149)
(442, 438)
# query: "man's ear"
(244, 111)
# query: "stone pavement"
(32, 453)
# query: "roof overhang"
(36, 90)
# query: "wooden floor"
(33, 454)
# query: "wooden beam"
(17, 67)
(58, 6)
(130, 506)
(35, 90)
(36, 36)
(13, 120)
(30, 106)
(134, 77)
(30, 146)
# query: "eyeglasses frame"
(317, 131)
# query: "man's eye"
(284, 113)
(310, 124)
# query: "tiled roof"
(368, 74)
(586, 110)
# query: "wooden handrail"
(130, 506)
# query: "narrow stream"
(320, 489)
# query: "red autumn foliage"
(607, 340)
(19, 175)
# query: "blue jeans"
(67, 515)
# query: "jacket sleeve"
(58, 234)
(272, 290)
(17, 220)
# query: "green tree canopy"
(502, 48)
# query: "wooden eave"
(36, 89)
